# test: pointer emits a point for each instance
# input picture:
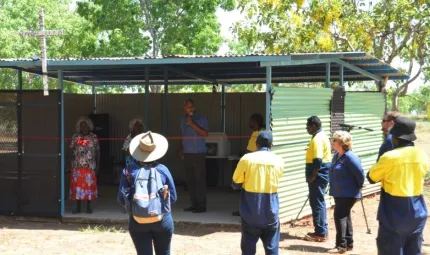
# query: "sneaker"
(349, 248)
(315, 238)
(337, 250)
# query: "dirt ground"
(23, 237)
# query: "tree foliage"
(389, 30)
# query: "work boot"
(315, 238)
(337, 250)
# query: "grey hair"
(84, 119)
(133, 122)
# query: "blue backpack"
(146, 198)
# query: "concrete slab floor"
(221, 202)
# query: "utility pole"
(42, 33)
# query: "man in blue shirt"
(193, 146)
(387, 123)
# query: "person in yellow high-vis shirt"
(256, 123)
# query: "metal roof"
(232, 69)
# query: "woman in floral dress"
(85, 162)
(136, 127)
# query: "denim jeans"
(269, 236)
(159, 233)
(317, 202)
(390, 243)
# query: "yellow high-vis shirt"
(252, 142)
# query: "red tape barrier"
(5, 138)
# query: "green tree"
(388, 30)
(158, 27)
(23, 15)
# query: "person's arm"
(201, 128)
(97, 144)
(71, 150)
(377, 171)
(354, 166)
(126, 145)
(171, 185)
(239, 174)
(317, 152)
(124, 188)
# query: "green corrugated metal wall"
(365, 109)
(290, 109)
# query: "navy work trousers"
(390, 243)
(317, 191)
(269, 236)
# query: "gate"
(30, 158)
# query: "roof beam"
(358, 70)
(296, 62)
(192, 75)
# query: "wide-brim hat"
(404, 128)
(148, 147)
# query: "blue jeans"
(159, 233)
(317, 202)
(269, 236)
(390, 243)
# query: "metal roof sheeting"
(213, 69)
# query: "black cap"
(404, 128)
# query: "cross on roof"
(42, 33)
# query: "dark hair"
(258, 118)
(189, 100)
(263, 142)
(314, 120)
(393, 115)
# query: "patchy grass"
(101, 229)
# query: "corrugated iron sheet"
(290, 109)
(365, 109)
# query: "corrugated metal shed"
(365, 109)
(290, 109)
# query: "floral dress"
(83, 181)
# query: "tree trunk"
(402, 90)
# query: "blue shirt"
(166, 179)
(387, 145)
(258, 175)
(192, 141)
(346, 176)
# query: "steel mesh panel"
(8, 153)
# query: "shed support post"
(341, 76)
(166, 102)
(62, 146)
(327, 75)
(94, 99)
(268, 95)
(147, 112)
(19, 136)
(223, 108)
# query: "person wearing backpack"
(147, 192)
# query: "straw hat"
(148, 147)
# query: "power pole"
(42, 33)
